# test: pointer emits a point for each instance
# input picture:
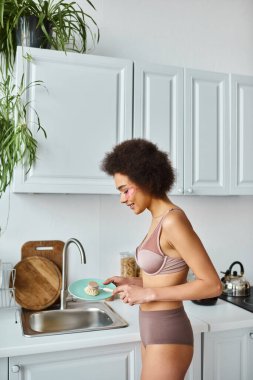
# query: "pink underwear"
(165, 327)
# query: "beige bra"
(152, 260)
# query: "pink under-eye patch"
(130, 192)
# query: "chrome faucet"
(64, 268)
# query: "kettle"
(235, 284)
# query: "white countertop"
(219, 317)
(13, 343)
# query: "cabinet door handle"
(251, 335)
(189, 190)
(180, 190)
(15, 368)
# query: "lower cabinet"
(112, 362)
(3, 368)
(227, 355)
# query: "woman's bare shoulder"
(176, 217)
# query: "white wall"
(207, 34)
(213, 35)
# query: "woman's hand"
(133, 294)
(117, 281)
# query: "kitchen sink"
(79, 316)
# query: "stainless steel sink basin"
(78, 317)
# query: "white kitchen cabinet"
(187, 115)
(250, 353)
(85, 107)
(158, 111)
(112, 362)
(228, 355)
(241, 134)
(89, 102)
(4, 369)
(206, 133)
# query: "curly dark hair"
(143, 163)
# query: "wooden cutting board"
(37, 283)
(50, 249)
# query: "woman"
(143, 175)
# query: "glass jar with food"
(128, 267)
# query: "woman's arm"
(186, 242)
(183, 239)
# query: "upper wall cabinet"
(186, 114)
(241, 134)
(206, 133)
(85, 107)
(158, 111)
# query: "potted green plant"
(17, 143)
(62, 25)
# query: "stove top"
(243, 302)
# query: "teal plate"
(77, 290)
